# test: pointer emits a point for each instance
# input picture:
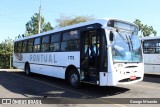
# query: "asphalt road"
(15, 84)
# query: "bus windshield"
(126, 47)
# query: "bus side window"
(37, 44)
(55, 42)
(24, 46)
(15, 47)
(30, 45)
(45, 44)
(19, 47)
(70, 41)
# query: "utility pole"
(10, 61)
(39, 19)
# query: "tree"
(68, 20)
(145, 30)
(6, 46)
(32, 25)
(6, 50)
(47, 26)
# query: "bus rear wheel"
(74, 78)
(27, 69)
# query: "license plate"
(132, 77)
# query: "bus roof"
(103, 22)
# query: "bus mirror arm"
(111, 36)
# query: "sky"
(14, 14)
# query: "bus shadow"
(152, 78)
(49, 87)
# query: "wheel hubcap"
(74, 79)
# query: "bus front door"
(90, 43)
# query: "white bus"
(151, 53)
(106, 52)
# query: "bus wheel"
(73, 78)
(27, 69)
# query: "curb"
(11, 70)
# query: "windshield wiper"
(125, 40)
(131, 42)
(128, 41)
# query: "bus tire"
(74, 78)
(27, 70)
